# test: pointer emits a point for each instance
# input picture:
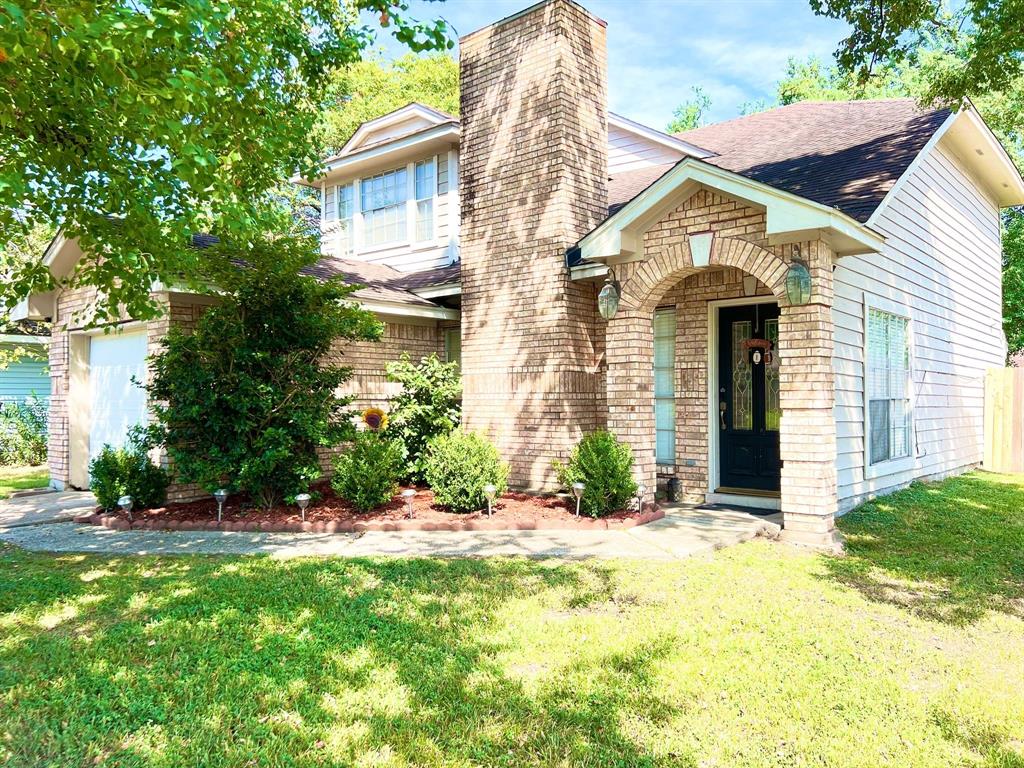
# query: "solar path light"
(490, 491)
(221, 495)
(409, 494)
(303, 501)
(577, 491)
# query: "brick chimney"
(534, 168)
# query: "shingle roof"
(380, 282)
(624, 186)
(412, 281)
(844, 154)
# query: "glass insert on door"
(742, 378)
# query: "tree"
(132, 125)
(690, 114)
(753, 106)
(372, 88)
(1013, 279)
(984, 39)
(245, 400)
(27, 245)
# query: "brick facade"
(668, 277)
(534, 163)
(69, 379)
(690, 298)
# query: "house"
(789, 310)
(25, 378)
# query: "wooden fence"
(1004, 420)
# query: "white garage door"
(117, 403)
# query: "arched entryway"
(806, 431)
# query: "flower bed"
(330, 514)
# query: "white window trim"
(410, 208)
(409, 242)
(430, 242)
(906, 463)
(669, 309)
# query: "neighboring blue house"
(29, 376)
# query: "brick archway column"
(807, 435)
(629, 343)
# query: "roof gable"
(789, 217)
(406, 121)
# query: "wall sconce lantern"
(798, 283)
(608, 298)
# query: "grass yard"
(21, 478)
(908, 652)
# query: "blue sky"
(658, 49)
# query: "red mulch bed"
(330, 514)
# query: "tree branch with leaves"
(132, 126)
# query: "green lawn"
(907, 652)
(20, 478)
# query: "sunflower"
(375, 419)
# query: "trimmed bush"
(117, 472)
(427, 406)
(23, 432)
(459, 465)
(604, 465)
(367, 474)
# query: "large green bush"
(427, 406)
(246, 398)
(367, 473)
(604, 465)
(23, 432)
(458, 466)
(117, 472)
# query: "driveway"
(44, 508)
(681, 533)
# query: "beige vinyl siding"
(942, 264)
(407, 256)
(628, 151)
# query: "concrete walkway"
(681, 533)
(44, 508)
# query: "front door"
(748, 398)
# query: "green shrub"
(23, 432)
(427, 406)
(117, 472)
(458, 466)
(603, 464)
(245, 400)
(367, 474)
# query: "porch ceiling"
(789, 217)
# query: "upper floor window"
(383, 203)
(338, 211)
(330, 203)
(888, 386)
(426, 185)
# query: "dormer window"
(383, 205)
(426, 187)
(338, 214)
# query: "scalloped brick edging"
(117, 522)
